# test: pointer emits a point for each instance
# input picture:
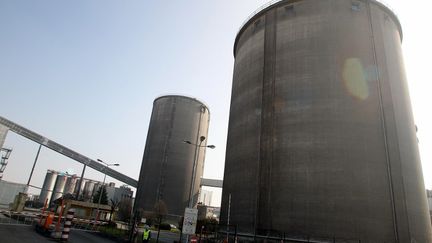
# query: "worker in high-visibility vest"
(146, 234)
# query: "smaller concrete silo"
(48, 186)
(88, 190)
(59, 187)
(70, 185)
(79, 188)
(96, 188)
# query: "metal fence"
(223, 233)
(211, 233)
(14, 218)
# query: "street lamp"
(103, 184)
(197, 146)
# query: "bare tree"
(160, 210)
(124, 209)
(114, 205)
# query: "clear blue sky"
(85, 74)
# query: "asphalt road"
(27, 234)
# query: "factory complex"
(321, 143)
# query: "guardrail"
(15, 218)
(272, 2)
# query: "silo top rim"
(182, 96)
(274, 3)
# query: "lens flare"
(354, 78)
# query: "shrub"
(165, 226)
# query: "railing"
(15, 218)
(262, 7)
(272, 2)
(213, 233)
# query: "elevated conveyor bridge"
(66, 152)
(20, 130)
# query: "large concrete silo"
(166, 170)
(48, 186)
(321, 140)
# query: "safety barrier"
(67, 224)
(17, 218)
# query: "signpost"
(190, 221)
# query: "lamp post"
(103, 184)
(195, 162)
(197, 147)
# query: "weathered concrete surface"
(321, 138)
(166, 170)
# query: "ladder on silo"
(4, 156)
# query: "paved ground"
(167, 236)
(27, 234)
(78, 236)
(12, 233)
(164, 237)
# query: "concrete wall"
(8, 191)
(321, 138)
(166, 170)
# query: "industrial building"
(206, 197)
(321, 138)
(168, 162)
(8, 192)
(57, 184)
(118, 194)
(206, 212)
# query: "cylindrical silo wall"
(96, 188)
(78, 189)
(88, 190)
(59, 187)
(166, 170)
(321, 139)
(70, 185)
(48, 186)
(78, 184)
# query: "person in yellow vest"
(146, 234)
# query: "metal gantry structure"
(20, 130)
(4, 156)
